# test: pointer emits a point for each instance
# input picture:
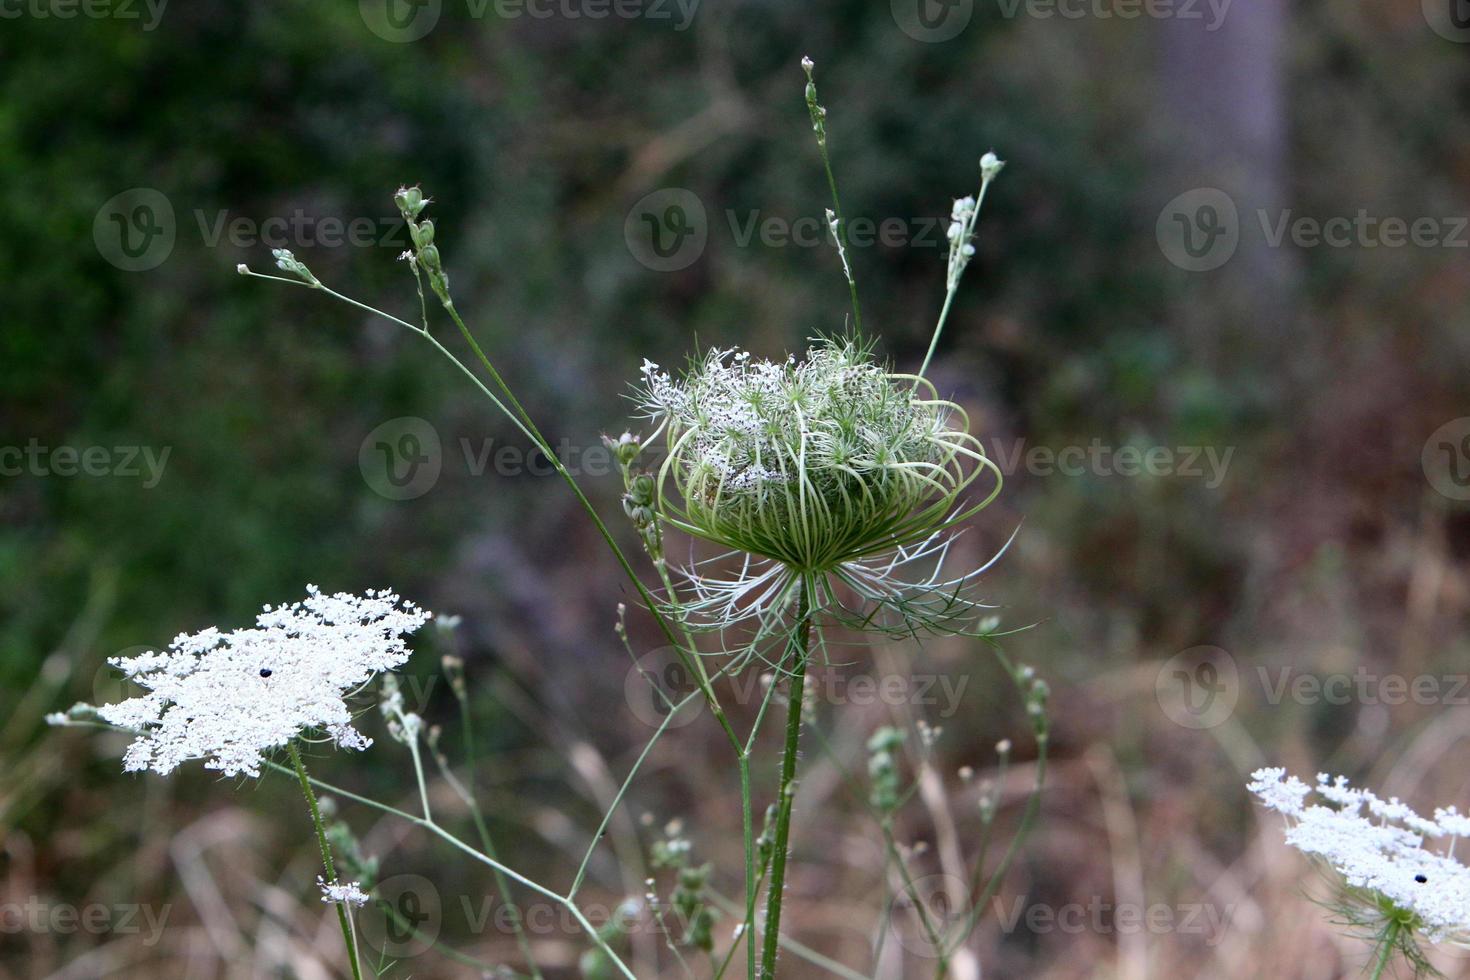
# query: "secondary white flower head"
(348, 894)
(228, 698)
(1377, 845)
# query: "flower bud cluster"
(883, 746)
(425, 253)
(640, 492)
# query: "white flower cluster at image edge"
(1377, 845)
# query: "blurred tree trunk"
(1223, 75)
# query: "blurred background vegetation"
(1325, 547)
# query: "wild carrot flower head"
(1378, 846)
(816, 465)
(228, 698)
(813, 462)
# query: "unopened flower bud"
(628, 447)
(410, 201)
(423, 233)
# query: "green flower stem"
(490, 862)
(522, 420)
(926, 922)
(1386, 952)
(799, 950)
(787, 791)
(502, 884)
(691, 661)
(321, 838)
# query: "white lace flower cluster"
(1377, 845)
(229, 697)
(334, 892)
(799, 460)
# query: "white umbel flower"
(1377, 846)
(334, 892)
(227, 698)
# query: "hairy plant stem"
(1385, 954)
(348, 936)
(787, 791)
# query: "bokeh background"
(1223, 279)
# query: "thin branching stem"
(449, 838)
(467, 793)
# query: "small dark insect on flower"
(1421, 879)
(265, 672)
